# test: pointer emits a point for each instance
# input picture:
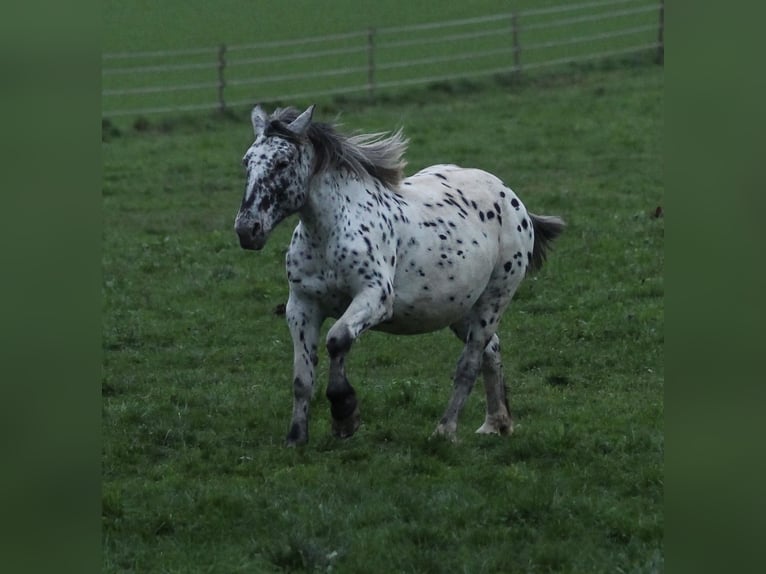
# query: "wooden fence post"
(661, 35)
(371, 63)
(516, 43)
(221, 79)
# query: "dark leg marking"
(343, 408)
(297, 436)
(342, 399)
(339, 345)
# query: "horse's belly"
(430, 307)
(413, 324)
(437, 283)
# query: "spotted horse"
(445, 247)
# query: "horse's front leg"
(304, 320)
(366, 310)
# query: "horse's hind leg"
(481, 352)
(465, 376)
(498, 419)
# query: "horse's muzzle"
(251, 236)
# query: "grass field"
(197, 364)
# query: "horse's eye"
(281, 164)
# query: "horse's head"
(278, 164)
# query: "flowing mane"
(379, 155)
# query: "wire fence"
(377, 59)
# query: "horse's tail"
(547, 228)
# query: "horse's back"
(474, 201)
(471, 181)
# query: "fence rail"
(229, 76)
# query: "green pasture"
(197, 359)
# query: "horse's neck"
(329, 197)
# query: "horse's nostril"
(256, 228)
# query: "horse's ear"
(300, 125)
(259, 119)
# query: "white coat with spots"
(445, 247)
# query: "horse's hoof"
(297, 436)
(294, 444)
(446, 432)
(345, 428)
(499, 426)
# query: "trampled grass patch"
(198, 359)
